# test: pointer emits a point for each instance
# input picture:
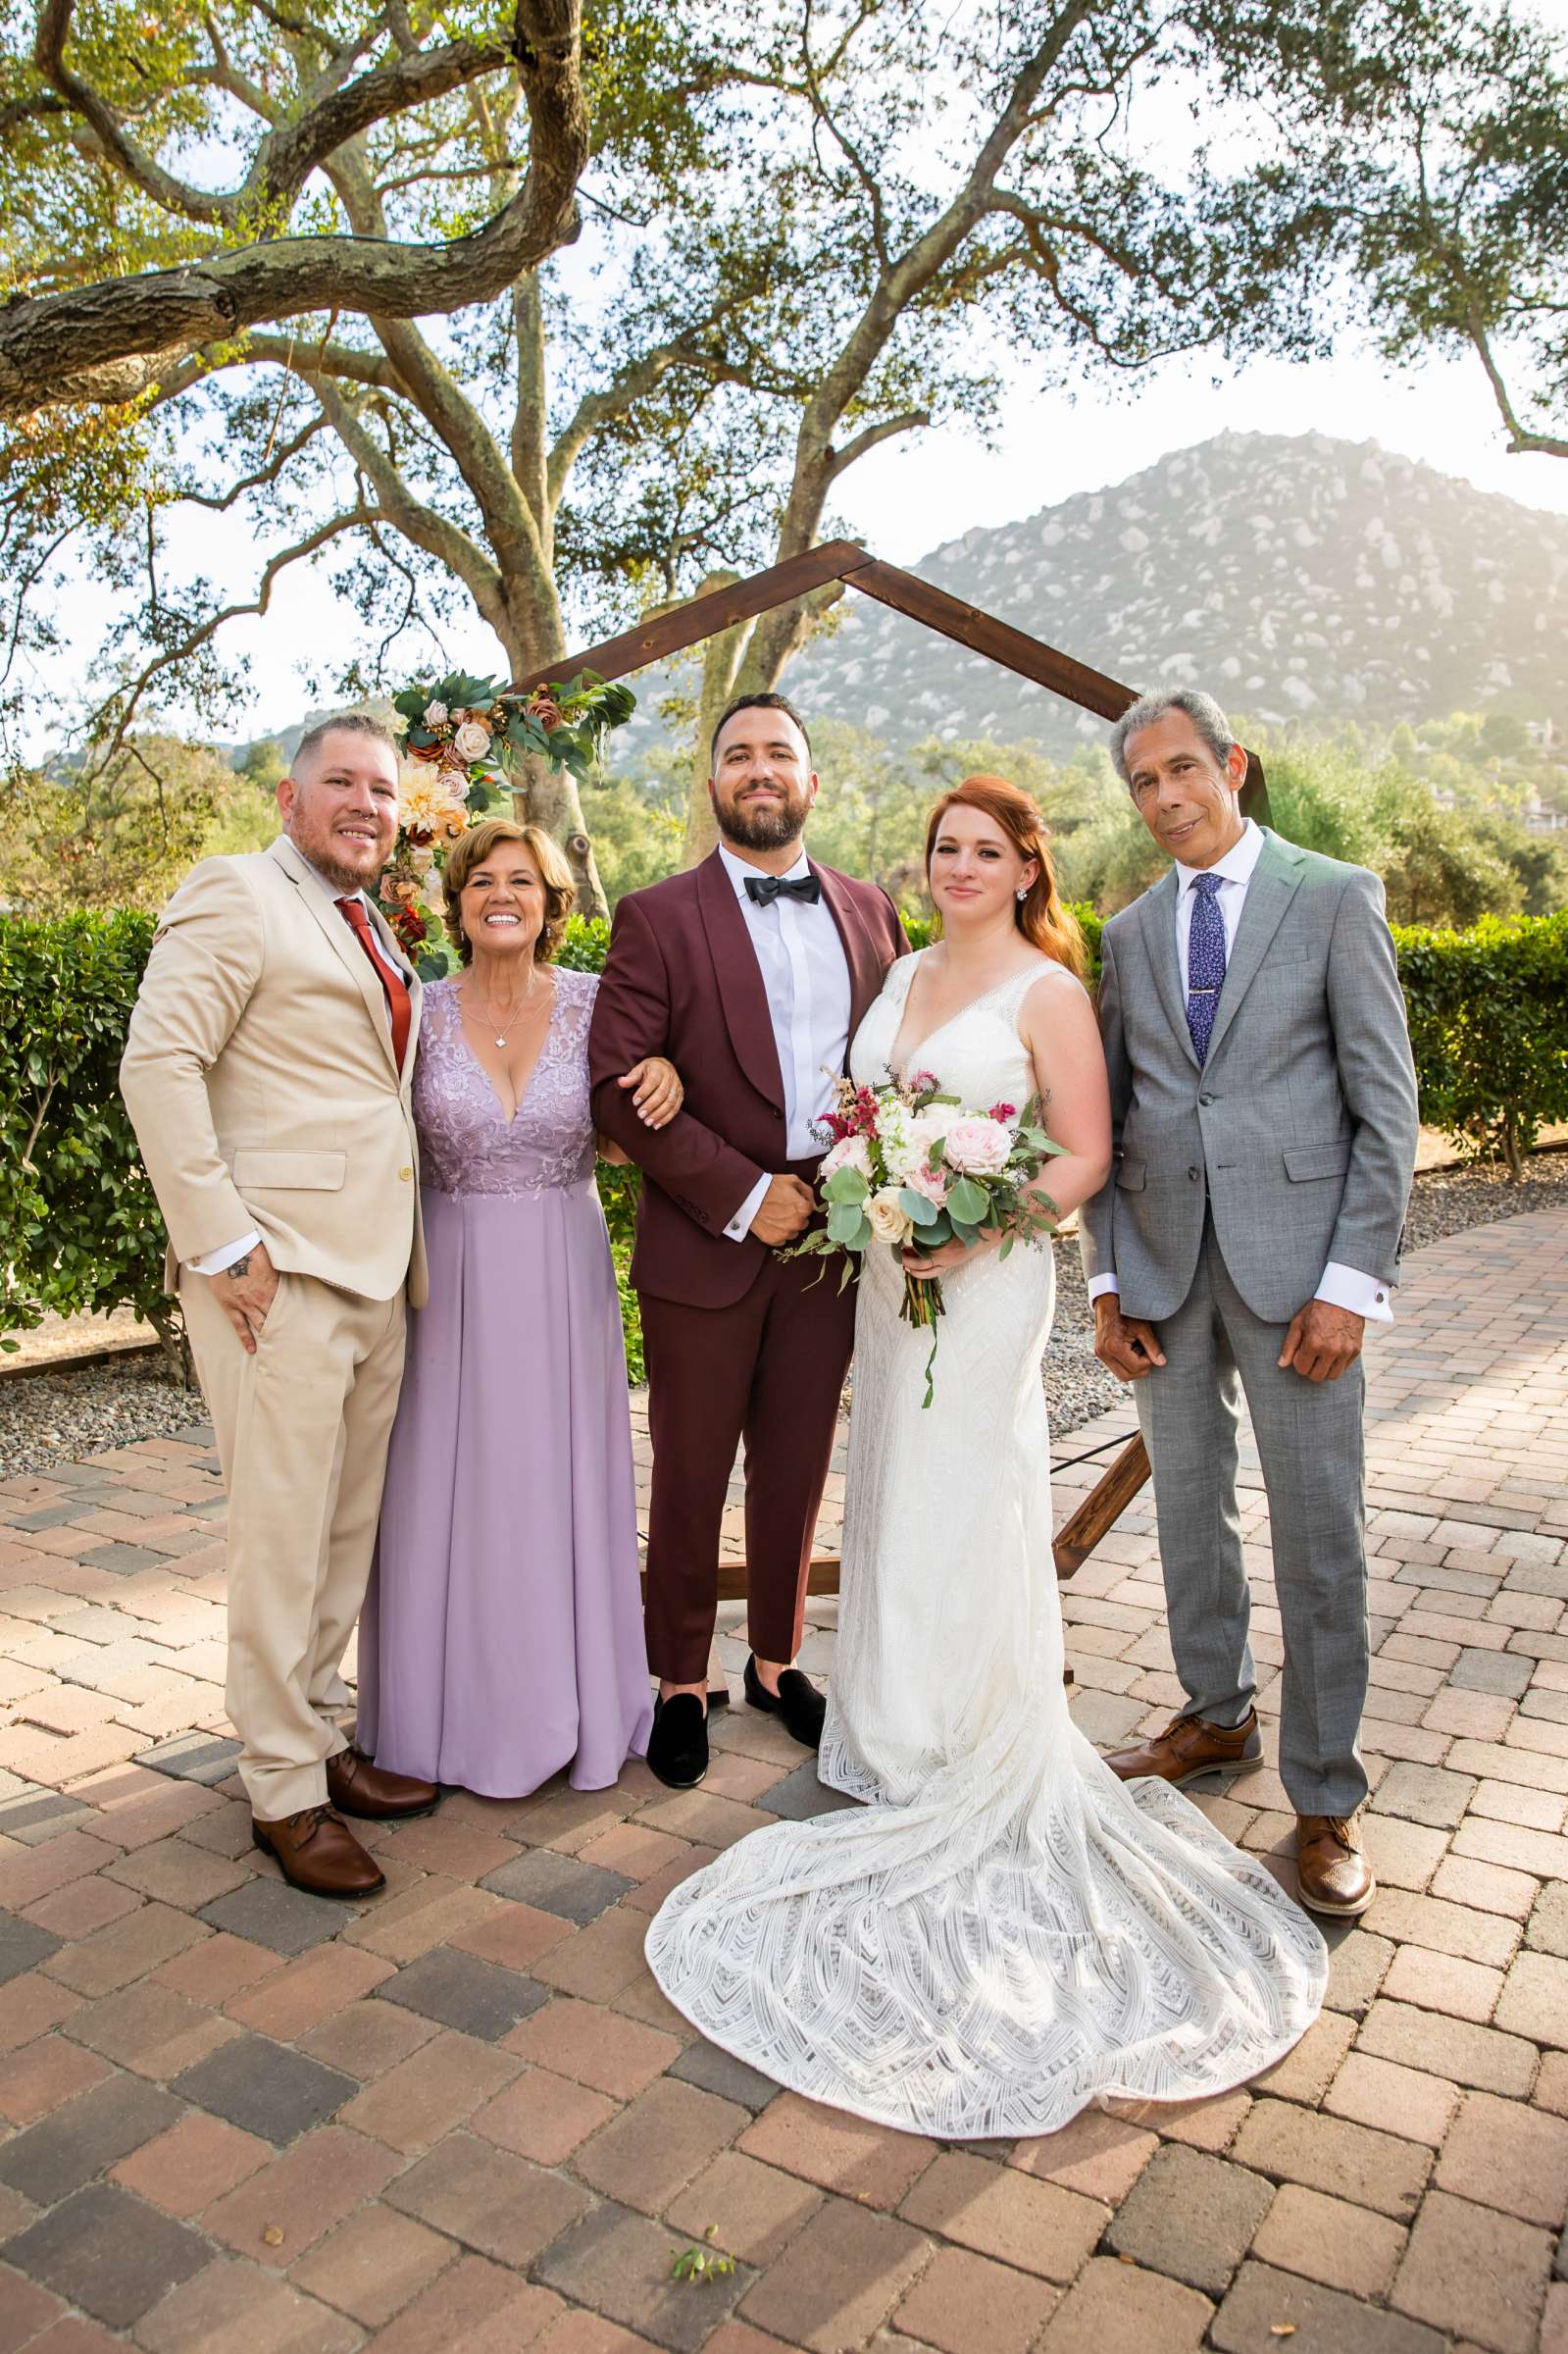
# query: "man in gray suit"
(1263, 1104)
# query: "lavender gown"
(502, 1634)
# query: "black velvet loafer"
(797, 1700)
(677, 1746)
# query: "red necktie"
(393, 986)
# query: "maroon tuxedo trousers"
(743, 1348)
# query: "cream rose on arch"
(889, 1221)
(472, 741)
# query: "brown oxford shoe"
(318, 1851)
(1191, 1748)
(357, 1785)
(1335, 1874)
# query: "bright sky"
(906, 499)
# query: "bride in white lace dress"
(1003, 1932)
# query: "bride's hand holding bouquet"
(919, 1172)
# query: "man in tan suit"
(267, 1074)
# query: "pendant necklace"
(516, 1009)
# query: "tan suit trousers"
(302, 1430)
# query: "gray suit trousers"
(1310, 1442)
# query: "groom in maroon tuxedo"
(751, 972)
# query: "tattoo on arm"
(238, 1268)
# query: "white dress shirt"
(806, 975)
(1341, 1286)
(213, 1263)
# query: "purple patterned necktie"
(1206, 962)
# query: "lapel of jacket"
(1159, 938)
(1275, 881)
(317, 899)
(866, 969)
(741, 990)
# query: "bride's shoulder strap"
(901, 973)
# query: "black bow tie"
(763, 890)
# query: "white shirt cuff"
(1362, 1295)
(213, 1263)
(1100, 1286)
(739, 1225)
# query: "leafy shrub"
(79, 1229)
(1488, 1027)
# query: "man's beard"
(346, 880)
(766, 827)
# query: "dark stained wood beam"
(666, 634)
(919, 601)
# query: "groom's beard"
(765, 827)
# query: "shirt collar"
(738, 870)
(1235, 867)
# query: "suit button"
(1193, 1173)
(407, 1175)
(1205, 1098)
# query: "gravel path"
(53, 1418)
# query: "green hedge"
(1488, 1028)
(80, 1230)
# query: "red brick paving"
(1397, 2185)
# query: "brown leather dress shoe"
(1335, 1875)
(318, 1851)
(1191, 1748)
(357, 1785)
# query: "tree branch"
(1522, 439)
(110, 341)
(841, 459)
(355, 519)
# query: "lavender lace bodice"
(465, 1144)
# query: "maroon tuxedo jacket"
(682, 979)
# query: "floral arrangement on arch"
(468, 736)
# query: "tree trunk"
(549, 796)
(720, 663)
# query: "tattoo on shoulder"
(239, 1267)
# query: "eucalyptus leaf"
(846, 1184)
(967, 1203)
(916, 1207)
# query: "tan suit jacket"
(261, 1081)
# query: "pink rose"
(931, 1183)
(850, 1153)
(978, 1145)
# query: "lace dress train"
(1003, 1932)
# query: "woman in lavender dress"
(502, 1635)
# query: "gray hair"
(1201, 708)
(348, 723)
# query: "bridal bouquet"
(908, 1165)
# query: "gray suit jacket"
(1298, 1132)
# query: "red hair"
(1039, 915)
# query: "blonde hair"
(1039, 915)
(472, 848)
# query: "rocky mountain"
(1298, 578)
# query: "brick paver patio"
(463, 2116)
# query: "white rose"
(472, 741)
(890, 1220)
(435, 715)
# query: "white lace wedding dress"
(1003, 1932)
